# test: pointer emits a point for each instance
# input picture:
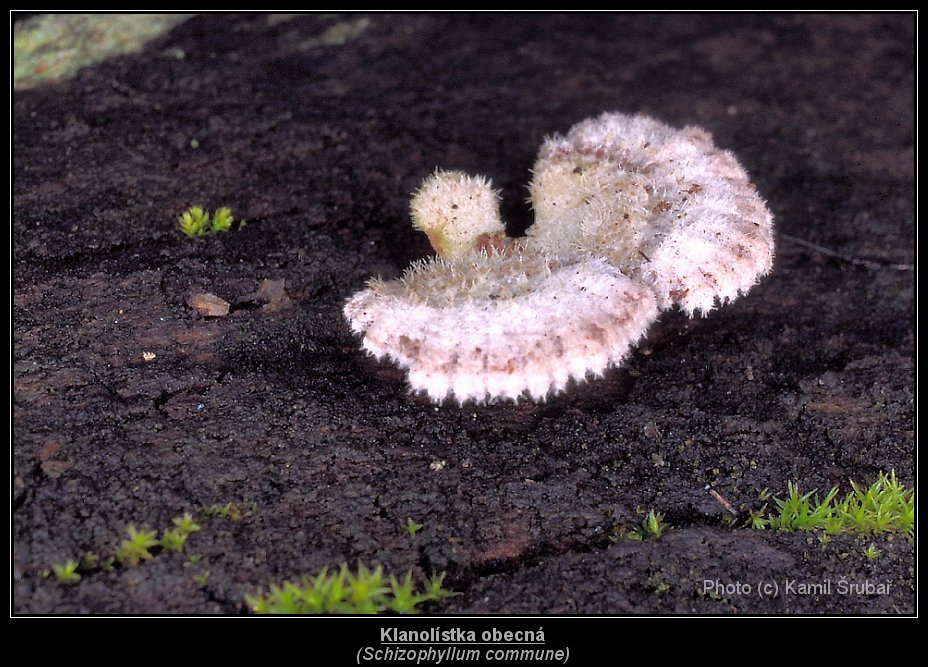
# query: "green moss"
(196, 221)
(652, 527)
(186, 524)
(67, 573)
(133, 551)
(222, 220)
(137, 548)
(230, 510)
(345, 592)
(173, 540)
(884, 506)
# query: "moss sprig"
(364, 591)
(196, 221)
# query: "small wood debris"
(209, 305)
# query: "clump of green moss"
(230, 510)
(133, 551)
(186, 524)
(345, 592)
(884, 506)
(67, 573)
(195, 221)
(412, 527)
(652, 527)
(173, 540)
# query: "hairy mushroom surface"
(631, 217)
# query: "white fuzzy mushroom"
(631, 217)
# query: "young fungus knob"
(457, 212)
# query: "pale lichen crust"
(631, 217)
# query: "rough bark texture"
(324, 453)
